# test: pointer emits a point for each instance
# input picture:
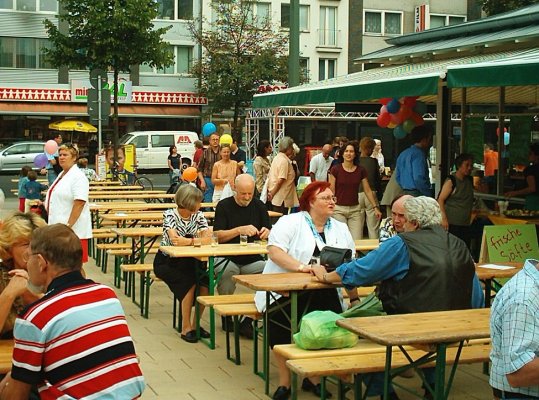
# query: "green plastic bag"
(370, 306)
(319, 331)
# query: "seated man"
(422, 269)
(514, 329)
(234, 216)
(390, 226)
(74, 342)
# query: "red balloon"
(498, 130)
(396, 118)
(418, 119)
(410, 101)
(383, 119)
(404, 112)
(385, 100)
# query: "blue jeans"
(208, 194)
(51, 176)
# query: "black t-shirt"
(229, 215)
(239, 156)
(533, 170)
(175, 161)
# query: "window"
(383, 23)
(48, 5)
(438, 20)
(259, 13)
(26, 5)
(328, 23)
(140, 142)
(303, 17)
(30, 5)
(304, 69)
(162, 140)
(174, 9)
(41, 61)
(23, 53)
(326, 68)
(183, 58)
(6, 4)
(7, 52)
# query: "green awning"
(516, 70)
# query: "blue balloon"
(40, 160)
(208, 129)
(393, 106)
(506, 138)
(399, 132)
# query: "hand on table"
(318, 271)
(249, 230)
(263, 233)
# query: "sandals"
(191, 336)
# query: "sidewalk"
(177, 370)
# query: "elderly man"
(281, 178)
(422, 269)
(320, 163)
(393, 225)
(514, 328)
(234, 216)
(205, 166)
(74, 342)
(412, 166)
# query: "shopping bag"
(370, 306)
(319, 331)
(264, 194)
(227, 192)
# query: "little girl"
(23, 178)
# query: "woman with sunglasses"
(67, 198)
(294, 240)
(15, 235)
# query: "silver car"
(13, 157)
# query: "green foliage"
(492, 7)
(108, 34)
(240, 52)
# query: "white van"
(152, 147)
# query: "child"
(23, 178)
(33, 191)
(89, 172)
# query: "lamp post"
(293, 45)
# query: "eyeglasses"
(327, 199)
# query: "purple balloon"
(41, 160)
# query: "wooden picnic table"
(6, 355)
(366, 244)
(130, 196)
(139, 247)
(124, 193)
(105, 183)
(105, 189)
(490, 276)
(436, 329)
(498, 219)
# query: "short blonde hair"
(188, 197)
(70, 148)
(16, 228)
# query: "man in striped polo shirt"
(74, 342)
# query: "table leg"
(439, 388)
(387, 372)
(266, 346)
(211, 292)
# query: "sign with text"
(79, 90)
(421, 18)
(510, 243)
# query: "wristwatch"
(301, 267)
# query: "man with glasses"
(74, 342)
(205, 166)
(240, 215)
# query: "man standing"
(514, 329)
(412, 168)
(52, 169)
(237, 154)
(74, 342)
(320, 163)
(205, 166)
(281, 178)
(423, 269)
(234, 216)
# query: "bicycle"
(131, 178)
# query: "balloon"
(383, 119)
(498, 130)
(404, 112)
(418, 119)
(189, 174)
(506, 138)
(383, 110)
(420, 108)
(225, 139)
(393, 106)
(41, 160)
(391, 125)
(208, 129)
(396, 118)
(51, 147)
(408, 125)
(385, 100)
(410, 101)
(399, 132)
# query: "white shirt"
(319, 166)
(67, 188)
(294, 236)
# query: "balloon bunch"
(51, 147)
(401, 115)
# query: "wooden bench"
(374, 361)
(122, 254)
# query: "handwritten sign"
(510, 243)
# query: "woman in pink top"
(345, 179)
(225, 170)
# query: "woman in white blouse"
(67, 197)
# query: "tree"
(240, 52)
(112, 35)
(492, 7)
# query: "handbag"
(332, 257)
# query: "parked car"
(13, 157)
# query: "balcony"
(329, 40)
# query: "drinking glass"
(243, 240)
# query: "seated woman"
(180, 227)
(293, 241)
(15, 234)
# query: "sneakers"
(282, 393)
